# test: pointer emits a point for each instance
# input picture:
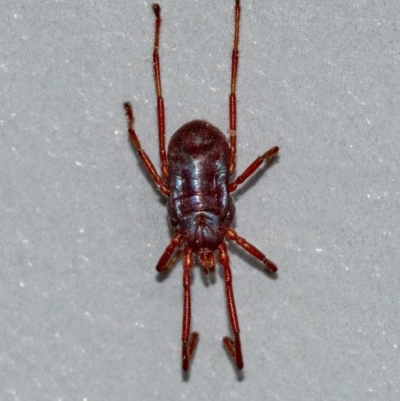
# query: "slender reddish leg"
(232, 97)
(162, 186)
(160, 100)
(166, 262)
(267, 156)
(233, 346)
(189, 342)
(251, 249)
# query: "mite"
(195, 177)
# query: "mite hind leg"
(233, 346)
(251, 249)
(170, 255)
(189, 341)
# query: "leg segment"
(160, 100)
(189, 342)
(162, 186)
(251, 249)
(267, 156)
(232, 97)
(166, 262)
(233, 346)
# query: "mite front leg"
(233, 346)
(189, 342)
(160, 99)
(251, 249)
(232, 96)
(267, 156)
(161, 185)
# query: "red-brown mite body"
(195, 176)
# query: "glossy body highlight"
(199, 204)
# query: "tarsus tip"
(271, 153)
(270, 266)
(128, 111)
(156, 9)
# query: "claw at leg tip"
(270, 266)
(156, 9)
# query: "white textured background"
(83, 315)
